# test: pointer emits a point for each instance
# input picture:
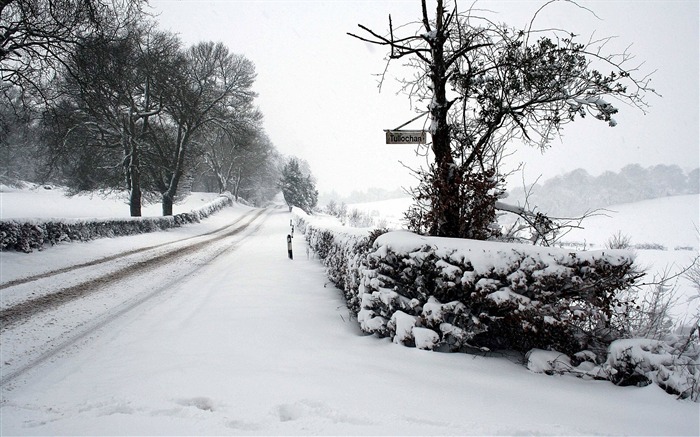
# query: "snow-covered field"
(244, 341)
(672, 222)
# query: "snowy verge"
(25, 235)
(459, 295)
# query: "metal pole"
(412, 120)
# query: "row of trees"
(576, 192)
(36, 38)
(146, 103)
(95, 96)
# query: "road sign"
(405, 136)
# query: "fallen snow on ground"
(256, 344)
(391, 211)
(669, 221)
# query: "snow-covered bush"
(619, 241)
(650, 246)
(25, 236)
(549, 362)
(638, 362)
(353, 217)
(496, 295)
(340, 251)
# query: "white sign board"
(406, 137)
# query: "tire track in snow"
(27, 308)
(84, 329)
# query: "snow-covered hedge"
(341, 251)
(561, 307)
(488, 295)
(450, 294)
(27, 235)
(672, 365)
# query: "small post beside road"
(289, 246)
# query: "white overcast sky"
(319, 96)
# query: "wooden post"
(289, 247)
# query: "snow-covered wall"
(25, 235)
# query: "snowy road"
(74, 301)
(225, 335)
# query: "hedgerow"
(25, 236)
(466, 295)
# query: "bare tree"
(113, 88)
(484, 86)
(537, 228)
(36, 38)
(258, 171)
(37, 35)
(227, 146)
(212, 85)
(143, 99)
(19, 140)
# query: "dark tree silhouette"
(37, 35)
(298, 188)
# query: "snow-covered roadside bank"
(254, 343)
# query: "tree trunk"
(131, 164)
(135, 176)
(169, 194)
(221, 183)
(447, 210)
(238, 183)
(167, 202)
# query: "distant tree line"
(577, 191)
(95, 97)
(372, 194)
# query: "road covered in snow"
(210, 329)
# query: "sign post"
(398, 136)
(406, 136)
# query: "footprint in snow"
(202, 403)
(289, 412)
